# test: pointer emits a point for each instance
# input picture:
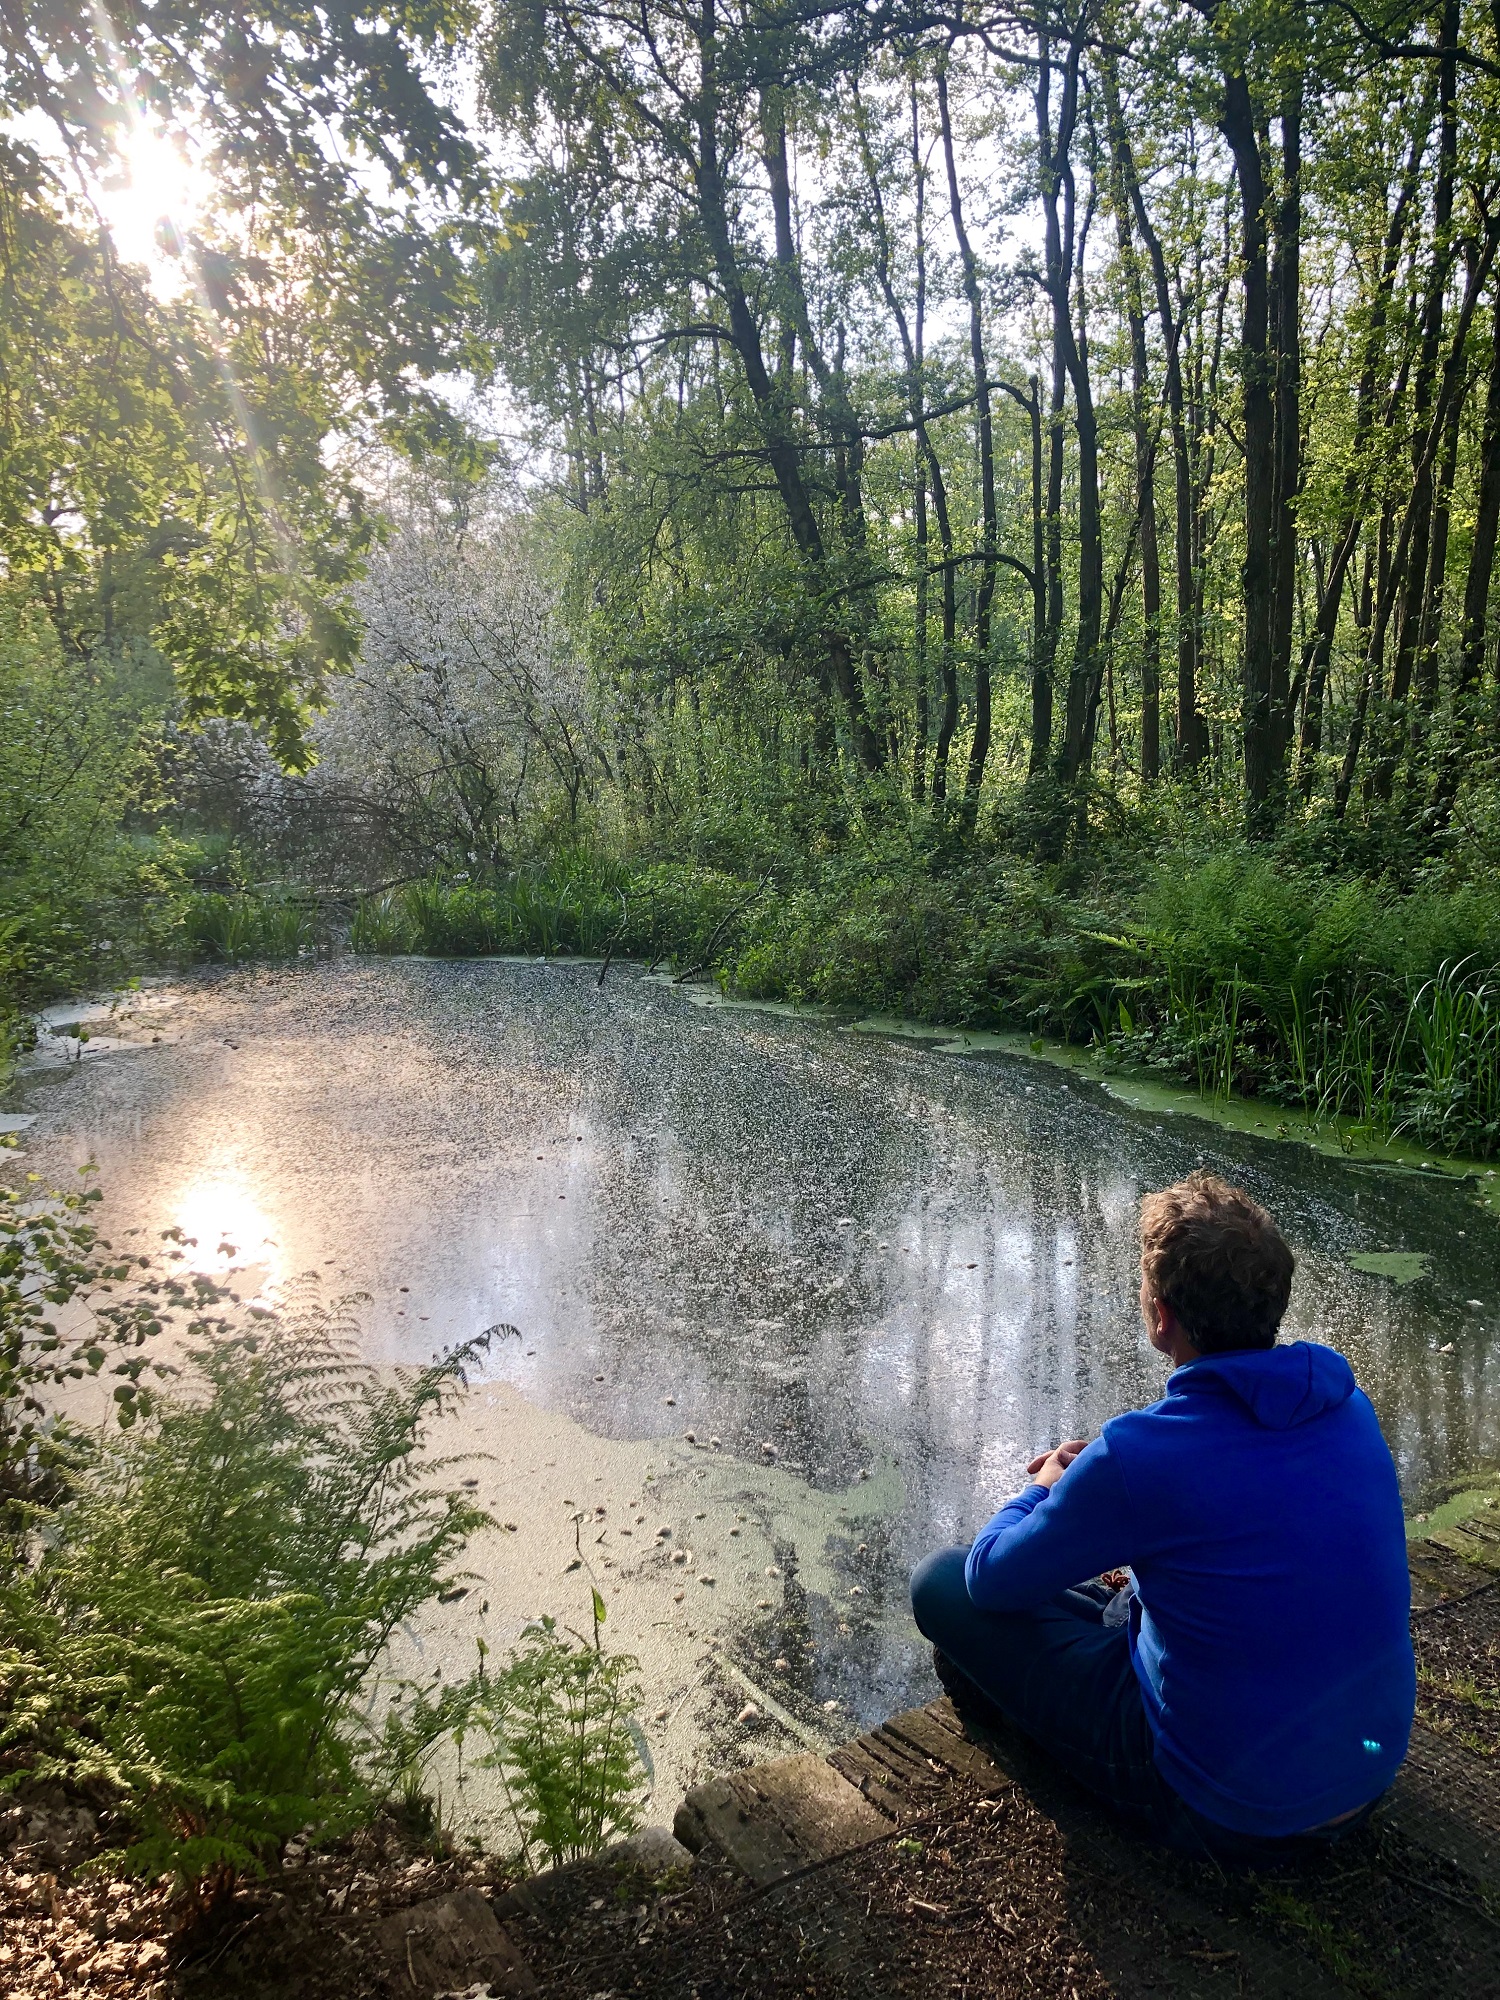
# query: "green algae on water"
(1404, 1267)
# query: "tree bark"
(1145, 447)
(1189, 730)
(1258, 421)
(979, 750)
(1286, 343)
(1318, 649)
(1070, 364)
(839, 674)
(1474, 631)
(1424, 486)
(911, 339)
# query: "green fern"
(205, 1627)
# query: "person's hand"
(1049, 1466)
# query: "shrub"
(55, 1266)
(1336, 996)
(575, 904)
(79, 756)
(381, 926)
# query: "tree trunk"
(1145, 448)
(1258, 422)
(1475, 628)
(1190, 732)
(1286, 331)
(1070, 363)
(839, 675)
(1318, 649)
(1424, 487)
(911, 354)
(984, 597)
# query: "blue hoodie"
(1257, 1505)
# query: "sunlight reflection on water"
(226, 1227)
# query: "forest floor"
(921, 1860)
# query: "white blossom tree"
(466, 723)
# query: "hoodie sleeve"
(1041, 1542)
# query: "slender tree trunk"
(914, 359)
(1425, 668)
(840, 675)
(1424, 486)
(1041, 652)
(1372, 666)
(1191, 736)
(920, 718)
(1396, 574)
(843, 425)
(1474, 631)
(1145, 445)
(1286, 332)
(989, 531)
(1319, 648)
(1258, 425)
(912, 338)
(1070, 364)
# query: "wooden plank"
(718, 1814)
(931, 1732)
(820, 1809)
(775, 1818)
(889, 1773)
(874, 1780)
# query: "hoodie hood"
(1280, 1386)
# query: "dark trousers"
(1064, 1678)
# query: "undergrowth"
(197, 1605)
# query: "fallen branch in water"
(719, 929)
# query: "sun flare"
(159, 181)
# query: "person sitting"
(1249, 1693)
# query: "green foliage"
(1336, 996)
(80, 893)
(161, 473)
(573, 904)
(204, 1624)
(560, 1721)
(1233, 971)
(71, 1308)
(233, 928)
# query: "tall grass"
(577, 904)
(1335, 997)
(232, 928)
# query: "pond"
(793, 1303)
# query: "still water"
(870, 1278)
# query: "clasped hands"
(1049, 1466)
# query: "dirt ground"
(1023, 1894)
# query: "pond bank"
(1149, 1090)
